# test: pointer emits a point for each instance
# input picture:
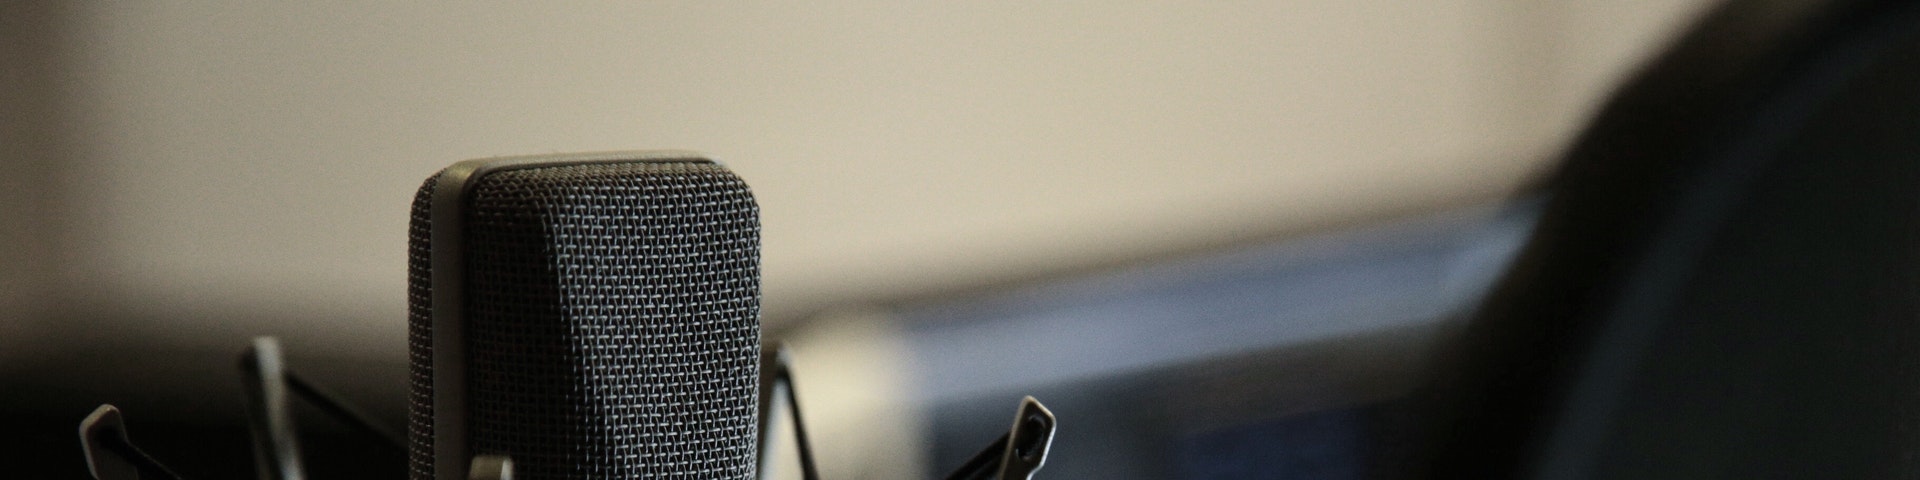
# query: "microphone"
(572, 317)
(586, 316)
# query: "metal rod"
(332, 404)
(276, 448)
(776, 375)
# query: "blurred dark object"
(1725, 281)
(1287, 360)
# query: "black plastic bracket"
(1019, 453)
(111, 455)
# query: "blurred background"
(1205, 234)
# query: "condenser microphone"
(585, 316)
(570, 317)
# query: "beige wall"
(35, 157)
(248, 164)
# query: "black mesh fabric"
(612, 318)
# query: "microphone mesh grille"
(612, 322)
(420, 334)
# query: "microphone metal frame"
(269, 384)
(1014, 456)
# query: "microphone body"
(586, 316)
